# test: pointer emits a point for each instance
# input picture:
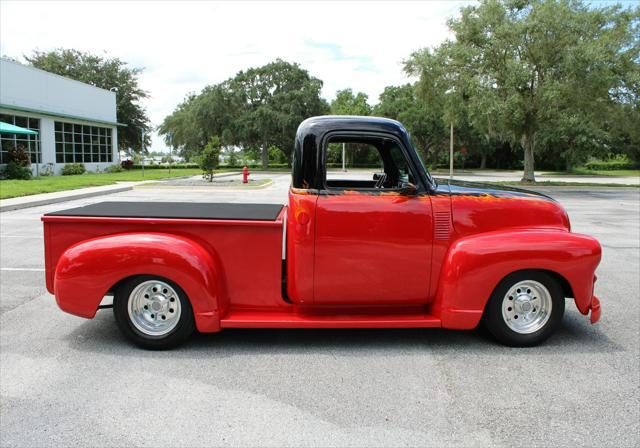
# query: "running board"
(265, 319)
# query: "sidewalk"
(35, 200)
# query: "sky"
(184, 46)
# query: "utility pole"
(170, 135)
(451, 153)
(344, 167)
(142, 149)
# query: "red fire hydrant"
(245, 175)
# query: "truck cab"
(386, 245)
(350, 238)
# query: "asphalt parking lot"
(72, 382)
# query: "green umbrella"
(6, 128)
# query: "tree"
(275, 99)
(423, 119)
(106, 73)
(346, 103)
(183, 129)
(517, 65)
(209, 159)
(257, 108)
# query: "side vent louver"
(442, 225)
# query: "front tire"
(524, 309)
(153, 312)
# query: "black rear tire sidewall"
(177, 336)
(493, 321)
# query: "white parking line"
(23, 269)
(21, 236)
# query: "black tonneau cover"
(176, 210)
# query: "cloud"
(184, 46)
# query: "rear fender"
(86, 271)
(476, 264)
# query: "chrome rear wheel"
(154, 308)
(153, 312)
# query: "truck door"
(373, 234)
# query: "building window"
(81, 143)
(30, 143)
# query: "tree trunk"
(568, 163)
(528, 145)
(265, 156)
(483, 161)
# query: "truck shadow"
(576, 335)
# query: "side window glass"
(356, 171)
(365, 163)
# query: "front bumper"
(595, 310)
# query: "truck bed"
(176, 210)
(245, 238)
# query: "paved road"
(73, 382)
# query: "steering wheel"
(381, 180)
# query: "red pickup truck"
(393, 249)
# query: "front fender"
(87, 270)
(475, 264)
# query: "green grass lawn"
(586, 172)
(14, 188)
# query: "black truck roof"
(325, 123)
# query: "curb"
(46, 201)
(200, 188)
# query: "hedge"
(195, 165)
(164, 167)
(360, 165)
(72, 169)
(608, 165)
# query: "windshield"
(424, 167)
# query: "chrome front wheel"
(527, 306)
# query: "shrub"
(16, 171)
(114, 169)
(18, 155)
(127, 164)
(210, 158)
(620, 162)
(71, 169)
(18, 163)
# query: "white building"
(76, 122)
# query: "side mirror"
(407, 188)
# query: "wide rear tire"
(153, 312)
(524, 309)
